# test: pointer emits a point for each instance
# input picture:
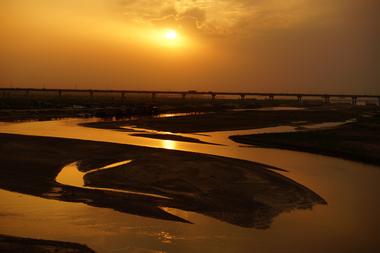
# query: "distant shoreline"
(357, 141)
(236, 120)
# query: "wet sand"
(10, 244)
(358, 141)
(194, 182)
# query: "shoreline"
(356, 141)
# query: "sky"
(206, 45)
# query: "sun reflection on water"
(169, 144)
(165, 237)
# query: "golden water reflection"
(169, 144)
(70, 175)
(348, 224)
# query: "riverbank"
(17, 108)
(241, 120)
(10, 244)
(204, 184)
(358, 141)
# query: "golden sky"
(228, 45)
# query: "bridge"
(184, 94)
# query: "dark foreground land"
(359, 141)
(201, 183)
(10, 244)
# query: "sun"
(171, 35)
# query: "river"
(349, 223)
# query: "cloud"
(303, 45)
(224, 16)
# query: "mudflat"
(239, 120)
(358, 141)
(204, 184)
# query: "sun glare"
(171, 34)
(168, 38)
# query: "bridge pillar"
(122, 96)
(354, 100)
(242, 96)
(299, 99)
(183, 96)
(271, 97)
(91, 93)
(327, 99)
(153, 95)
(213, 96)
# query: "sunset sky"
(228, 45)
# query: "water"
(70, 175)
(349, 223)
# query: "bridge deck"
(184, 93)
